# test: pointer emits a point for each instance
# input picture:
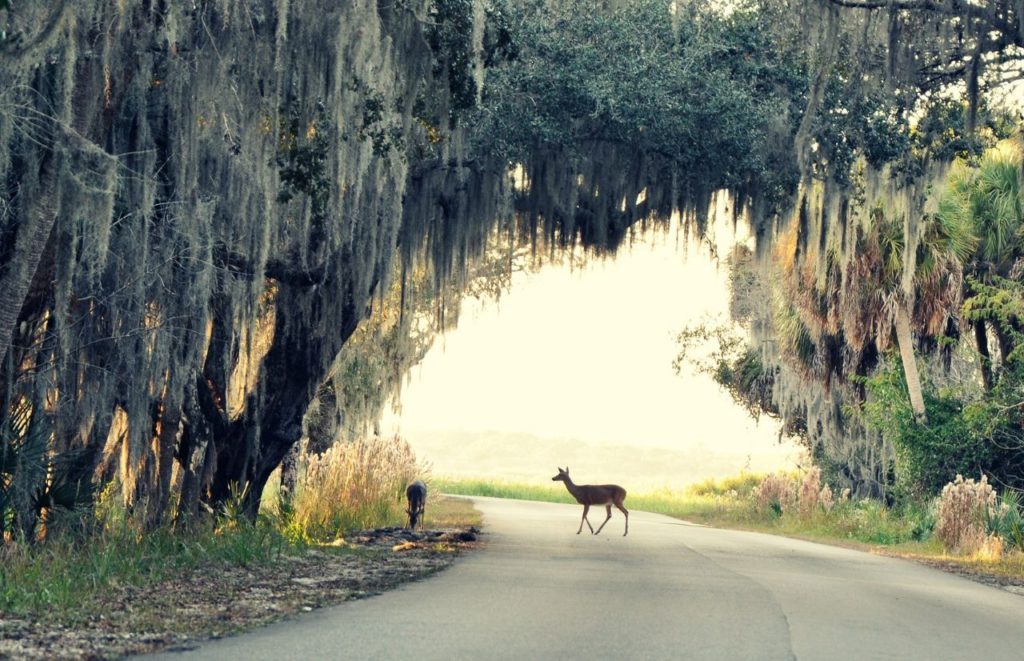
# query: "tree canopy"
(201, 202)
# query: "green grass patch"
(499, 489)
(741, 485)
(446, 512)
(729, 503)
(688, 505)
(64, 576)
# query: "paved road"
(670, 590)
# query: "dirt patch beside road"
(215, 601)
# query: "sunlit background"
(504, 397)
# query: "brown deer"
(416, 493)
(592, 494)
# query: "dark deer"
(593, 494)
(416, 494)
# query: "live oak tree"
(200, 202)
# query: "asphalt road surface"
(670, 590)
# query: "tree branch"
(15, 50)
(277, 269)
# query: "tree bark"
(160, 491)
(250, 449)
(905, 339)
(1005, 340)
(981, 340)
(193, 454)
(29, 247)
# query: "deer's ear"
(567, 469)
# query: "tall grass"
(359, 485)
(352, 486)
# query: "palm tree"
(884, 293)
(988, 199)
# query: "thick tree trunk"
(248, 450)
(981, 340)
(195, 455)
(1005, 340)
(905, 339)
(29, 247)
(158, 498)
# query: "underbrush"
(352, 486)
(67, 574)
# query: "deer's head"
(563, 475)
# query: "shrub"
(777, 494)
(784, 494)
(1008, 522)
(826, 498)
(965, 510)
(810, 492)
(965, 432)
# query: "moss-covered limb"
(33, 234)
(17, 46)
(1003, 17)
(279, 270)
(932, 44)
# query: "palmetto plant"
(1007, 521)
(35, 481)
(23, 449)
(988, 197)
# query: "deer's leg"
(609, 510)
(586, 508)
(627, 514)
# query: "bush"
(810, 493)
(777, 494)
(965, 511)
(1008, 522)
(870, 521)
(780, 494)
(964, 434)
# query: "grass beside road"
(730, 503)
(445, 512)
(67, 578)
(672, 503)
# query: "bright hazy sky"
(587, 356)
